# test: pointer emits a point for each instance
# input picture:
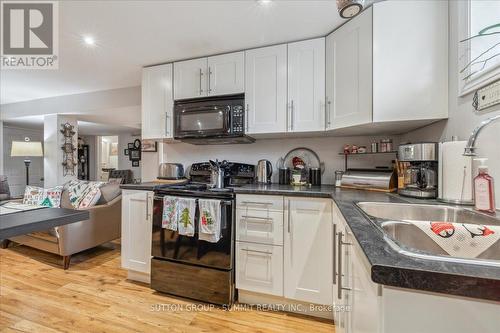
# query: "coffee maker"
(420, 169)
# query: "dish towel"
(169, 216)
(460, 239)
(210, 220)
(186, 210)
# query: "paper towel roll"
(455, 173)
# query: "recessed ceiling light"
(264, 2)
(89, 40)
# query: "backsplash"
(327, 148)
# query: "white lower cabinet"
(285, 250)
(259, 268)
(137, 224)
(308, 255)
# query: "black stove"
(178, 259)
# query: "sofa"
(104, 225)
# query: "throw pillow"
(83, 194)
(38, 196)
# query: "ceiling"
(133, 34)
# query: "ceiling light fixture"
(89, 40)
(264, 2)
(349, 8)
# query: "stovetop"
(195, 190)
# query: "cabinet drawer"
(259, 268)
(259, 226)
(263, 202)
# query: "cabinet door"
(266, 89)
(306, 86)
(365, 314)
(259, 226)
(190, 78)
(308, 259)
(350, 93)
(137, 212)
(418, 57)
(259, 268)
(226, 74)
(157, 102)
(329, 80)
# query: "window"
(479, 44)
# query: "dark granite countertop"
(388, 266)
(147, 186)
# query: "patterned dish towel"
(186, 211)
(169, 217)
(210, 221)
(460, 239)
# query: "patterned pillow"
(83, 194)
(38, 196)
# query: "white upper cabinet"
(226, 74)
(410, 60)
(157, 102)
(266, 89)
(308, 250)
(190, 79)
(349, 73)
(306, 85)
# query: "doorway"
(107, 156)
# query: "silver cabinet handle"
(209, 78)
(291, 114)
(329, 107)
(266, 219)
(288, 222)
(256, 203)
(167, 131)
(247, 115)
(201, 88)
(334, 259)
(339, 254)
(257, 251)
(147, 206)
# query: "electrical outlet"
(487, 96)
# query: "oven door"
(169, 245)
(199, 120)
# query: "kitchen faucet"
(471, 144)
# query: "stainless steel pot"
(171, 171)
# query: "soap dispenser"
(484, 191)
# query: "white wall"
(462, 118)
(53, 154)
(327, 148)
(123, 161)
(14, 167)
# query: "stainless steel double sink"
(395, 221)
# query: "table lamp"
(26, 149)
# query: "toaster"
(171, 171)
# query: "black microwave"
(212, 120)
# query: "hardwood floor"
(93, 295)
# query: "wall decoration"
(134, 154)
(125, 152)
(114, 149)
(130, 145)
(135, 163)
(137, 144)
(479, 44)
(149, 146)
(69, 160)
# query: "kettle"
(264, 171)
